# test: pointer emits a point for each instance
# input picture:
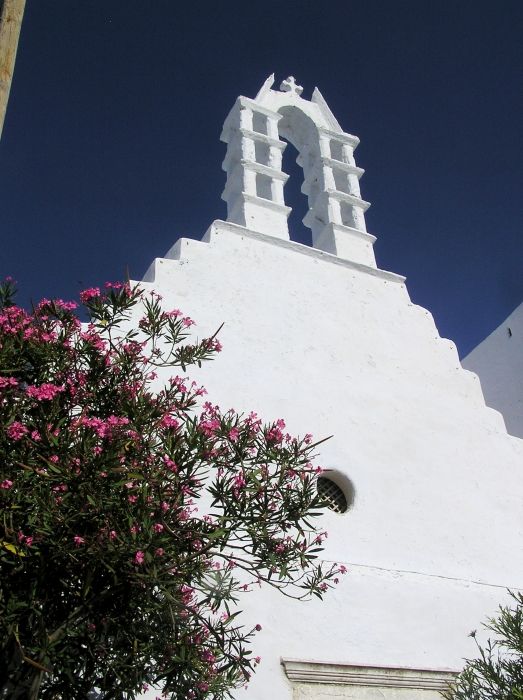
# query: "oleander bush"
(111, 578)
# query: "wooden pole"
(12, 12)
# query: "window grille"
(331, 494)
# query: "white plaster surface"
(498, 361)
(433, 539)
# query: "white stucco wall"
(498, 361)
(336, 348)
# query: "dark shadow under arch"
(301, 135)
(294, 197)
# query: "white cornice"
(340, 165)
(349, 198)
(368, 676)
(257, 136)
(349, 139)
(264, 170)
(299, 248)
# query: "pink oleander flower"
(209, 427)
(238, 483)
(16, 430)
(7, 381)
(175, 313)
(187, 322)
(213, 344)
(139, 557)
(87, 294)
(158, 527)
(112, 535)
(187, 593)
(66, 305)
(258, 628)
(79, 541)
(159, 552)
(234, 434)
(6, 484)
(343, 569)
(171, 466)
(44, 392)
(179, 383)
(29, 540)
(168, 421)
(275, 434)
(94, 340)
(208, 656)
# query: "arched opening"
(294, 197)
(299, 159)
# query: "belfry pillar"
(254, 187)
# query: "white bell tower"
(254, 191)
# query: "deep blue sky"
(111, 149)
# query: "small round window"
(332, 495)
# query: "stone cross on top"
(290, 85)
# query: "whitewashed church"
(425, 483)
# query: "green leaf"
(13, 548)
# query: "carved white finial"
(265, 87)
(290, 85)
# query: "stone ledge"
(341, 165)
(351, 199)
(264, 169)
(368, 676)
(337, 136)
(238, 230)
(263, 138)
